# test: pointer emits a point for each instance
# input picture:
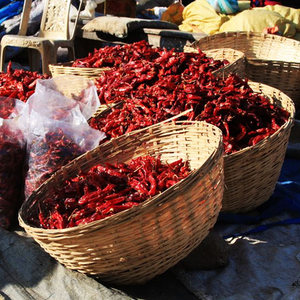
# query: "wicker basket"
(67, 69)
(236, 60)
(133, 246)
(251, 173)
(270, 59)
(70, 86)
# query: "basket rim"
(68, 65)
(252, 35)
(142, 207)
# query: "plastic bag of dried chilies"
(12, 158)
(57, 132)
(59, 98)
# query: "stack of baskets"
(135, 245)
(270, 59)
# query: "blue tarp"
(10, 10)
(286, 197)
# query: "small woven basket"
(270, 59)
(70, 86)
(67, 69)
(251, 174)
(135, 245)
(236, 60)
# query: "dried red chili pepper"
(83, 199)
(19, 84)
(46, 155)
(228, 103)
(12, 156)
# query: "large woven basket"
(236, 60)
(135, 245)
(236, 64)
(270, 59)
(67, 69)
(251, 173)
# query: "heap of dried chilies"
(46, 154)
(12, 156)
(153, 91)
(106, 190)
(19, 83)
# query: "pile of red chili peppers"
(153, 91)
(139, 63)
(12, 156)
(46, 155)
(108, 189)
(19, 84)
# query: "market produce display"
(107, 190)
(163, 228)
(19, 83)
(46, 154)
(12, 156)
(153, 91)
(114, 56)
(147, 66)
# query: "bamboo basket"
(236, 60)
(270, 59)
(251, 174)
(71, 86)
(67, 69)
(236, 64)
(135, 245)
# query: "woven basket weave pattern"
(135, 245)
(67, 69)
(270, 59)
(251, 174)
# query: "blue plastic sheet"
(5, 2)
(286, 197)
(10, 10)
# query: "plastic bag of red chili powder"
(12, 158)
(52, 144)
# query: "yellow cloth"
(200, 16)
(291, 14)
(257, 19)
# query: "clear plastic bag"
(52, 144)
(56, 125)
(12, 159)
(64, 97)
